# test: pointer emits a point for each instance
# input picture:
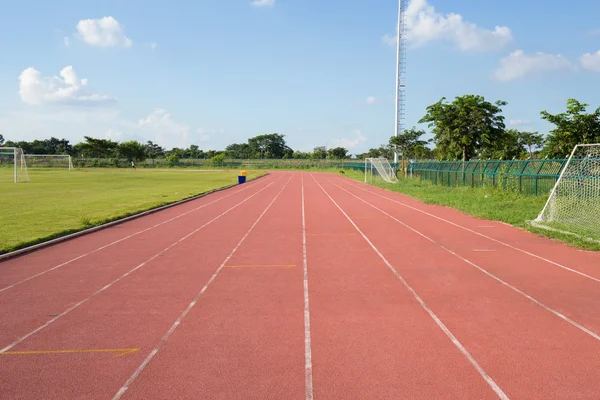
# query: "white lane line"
(185, 312)
(118, 241)
(482, 235)
(493, 385)
(508, 285)
(76, 305)
(307, 341)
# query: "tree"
(268, 146)
(195, 152)
(407, 142)
(97, 148)
(573, 127)
(153, 150)
(337, 153)
(1, 140)
(507, 147)
(238, 151)
(132, 150)
(466, 127)
(320, 153)
(530, 140)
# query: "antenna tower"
(400, 70)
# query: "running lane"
(132, 312)
(570, 291)
(500, 233)
(371, 337)
(528, 351)
(244, 339)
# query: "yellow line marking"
(261, 265)
(120, 352)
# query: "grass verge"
(482, 202)
(56, 203)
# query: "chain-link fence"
(533, 177)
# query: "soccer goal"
(573, 206)
(13, 166)
(379, 168)
(49, 161)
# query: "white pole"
(539, 217)
(398, 49)
(15, 157)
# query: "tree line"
(471, 127)
(268, 146)
(466, 128)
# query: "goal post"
(49, 161)
(379, 168)
(573, 206)
(13, 166)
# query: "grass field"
(487, 203)
(58, 202)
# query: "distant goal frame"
(383, 168)
(69, 159)
(20, 173)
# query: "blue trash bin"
(241, 179)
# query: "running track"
(302, 286)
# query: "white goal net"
(49, 161)
(13, 167)
(379, 168)
(574, 203)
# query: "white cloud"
(594, 32)
(67, 89)
(103, 32)
(518, 122)
(262, 3)
(519, 64)
(350, 143)
(591, 61)
(66, 41)
(165, 130)
(371, 100)
(425, 25)
(153, 45)
(73, 123)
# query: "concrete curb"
(29, 249)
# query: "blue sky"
(213, 72)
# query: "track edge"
(51, 242)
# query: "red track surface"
(302, 286)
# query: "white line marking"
(76, 305)
(118, 241)
(307, 341)
(185, 312)
(443, 327)
(539, 303)
(482, 235)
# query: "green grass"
(58, 202)
(482, 202)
